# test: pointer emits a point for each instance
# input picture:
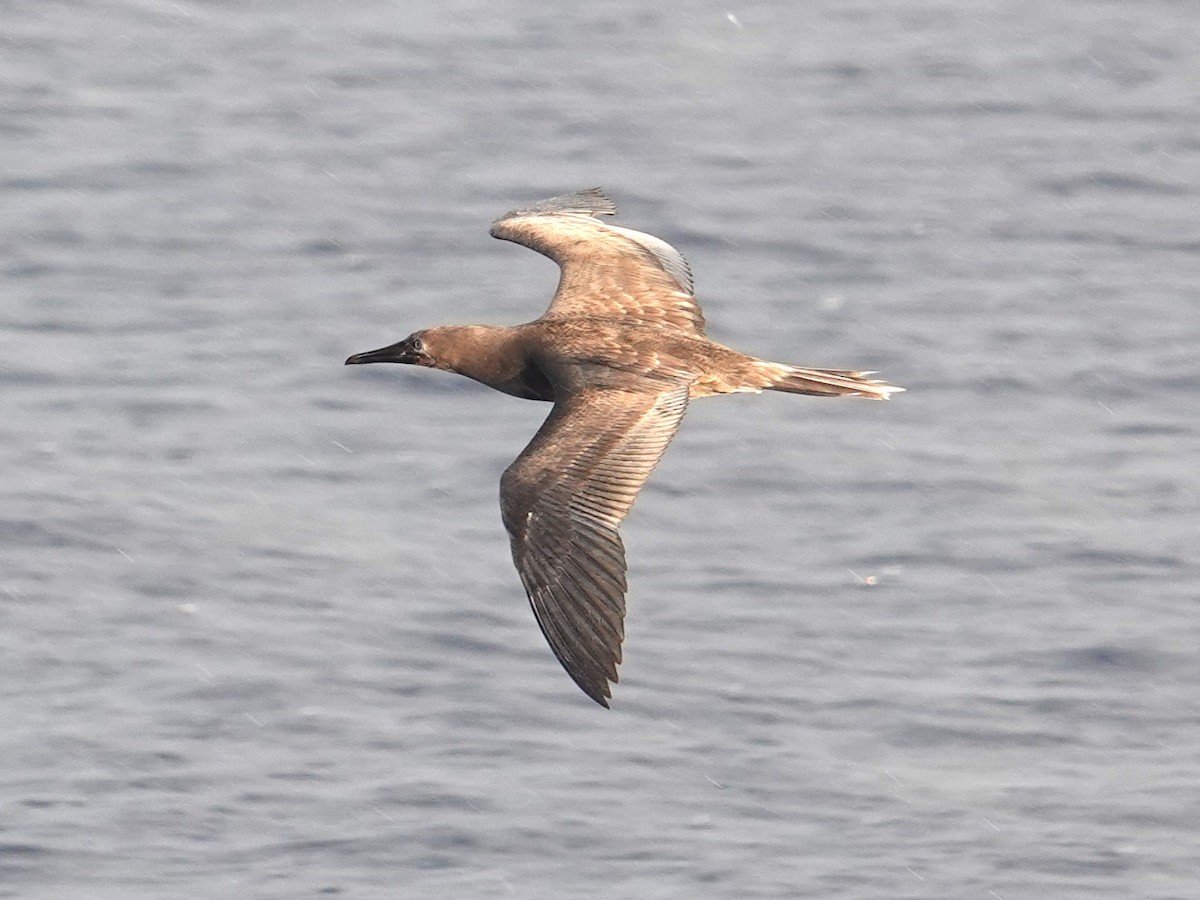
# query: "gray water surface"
(260, 635)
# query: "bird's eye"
(418, 345)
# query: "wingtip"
(601, 693)
(591, 200)
(588, 202)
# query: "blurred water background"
(260, 635)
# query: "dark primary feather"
(607, 271)
(562, 501)
(588, 202)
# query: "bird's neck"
(494, 355)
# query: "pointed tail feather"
(826, 382)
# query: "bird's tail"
(825, 382)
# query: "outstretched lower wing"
(607, 271)
(562, 501)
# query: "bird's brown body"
(524, 360)
(620, 352)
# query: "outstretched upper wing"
(562, 500)
(606, 270)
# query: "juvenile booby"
(619, 353)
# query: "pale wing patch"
(667, 256)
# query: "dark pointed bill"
(401, 352)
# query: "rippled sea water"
(259, 632)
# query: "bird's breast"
(528, 382)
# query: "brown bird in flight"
(619, 353)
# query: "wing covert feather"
(563, 500)
(607, 271)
